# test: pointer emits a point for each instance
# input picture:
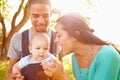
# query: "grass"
(3, 69)
(66, 62)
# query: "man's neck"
(34, 31)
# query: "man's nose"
(41, 20)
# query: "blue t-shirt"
(105, 66)
(25, 60)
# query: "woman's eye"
(58, 36)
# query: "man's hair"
(47, 2)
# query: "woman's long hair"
(77, 27)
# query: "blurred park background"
(103, 17)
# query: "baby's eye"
(45, 48)
(37, 48)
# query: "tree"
(5, 39)
(15, 27)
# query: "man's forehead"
(47, 2)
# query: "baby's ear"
(30, 48)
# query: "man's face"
(39, 15)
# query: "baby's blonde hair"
(40, 36)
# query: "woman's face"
(64, 40)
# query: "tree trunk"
(14, 28)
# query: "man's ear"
(28, 13)
(51, 13)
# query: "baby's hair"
(40, 36)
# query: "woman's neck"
(86, 54)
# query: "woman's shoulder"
(108, 49)
(107, 52)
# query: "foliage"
(3, 69)
(0, 37)
(4, 7)
(14, 27)
(52, 24)
(68, 65)
(20, 13)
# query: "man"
(39, 12)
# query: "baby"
(39, 49)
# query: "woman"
(92, 59)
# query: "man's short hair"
(47, 2)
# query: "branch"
(24, 19)
(16, 14)
(3, 29)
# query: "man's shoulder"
(18, 35)
(51, 29)
(25, 30)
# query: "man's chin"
(41, 30)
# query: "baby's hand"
(19, 76)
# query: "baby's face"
(39, 50)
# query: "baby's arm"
(19, 65)
(16, 69)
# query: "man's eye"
(46, 16)
(35, 16)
